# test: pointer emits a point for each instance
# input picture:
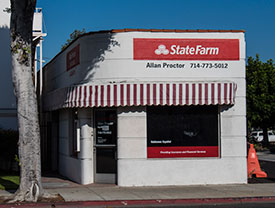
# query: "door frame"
(103, 177)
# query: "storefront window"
(177, 131)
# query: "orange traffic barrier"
(253, 166)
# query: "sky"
(256, 17)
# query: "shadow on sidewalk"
(53, 180)
(8, 185)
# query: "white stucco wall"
(108, 57)
(4, 16)
(79, 168)
(134, 169)
(86, 146)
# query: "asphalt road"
(267, 164)
(246, 205)
(256, 204)
(235, 205)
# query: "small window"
(177, 131)
(74, 133)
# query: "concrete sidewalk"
(111, 193)
(106, 192)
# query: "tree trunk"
(28, 124)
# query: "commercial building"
(148, 107)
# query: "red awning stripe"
(199, 93)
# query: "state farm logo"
(187, 50)
(162, 50)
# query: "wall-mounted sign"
(72, 58)
(186, 49)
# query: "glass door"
(105, 147)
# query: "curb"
(151, 202)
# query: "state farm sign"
(186, 49)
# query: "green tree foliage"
(260, 92)
(75, 34)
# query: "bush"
(8, 148)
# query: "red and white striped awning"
(141, 94)
(151, 94)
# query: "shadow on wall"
(225, 108)
(97, 47)
(94, 47)
(6, 87)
